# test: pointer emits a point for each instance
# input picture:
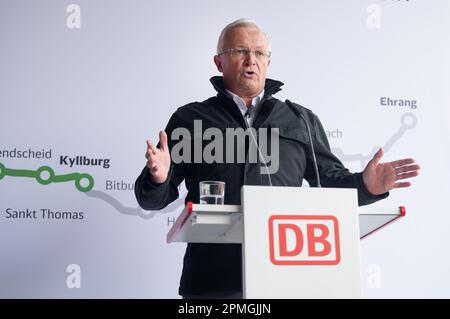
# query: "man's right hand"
(158, 159)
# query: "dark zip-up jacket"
(211, 268)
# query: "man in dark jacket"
(245, 99)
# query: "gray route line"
(407, 122)
(131, 210)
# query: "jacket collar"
(271, 87)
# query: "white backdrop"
(95, 79)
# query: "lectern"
(296, 242)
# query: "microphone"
(297, 112)
(247, 123)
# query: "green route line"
(51, 178)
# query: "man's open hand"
(380, 178)
(158, 159)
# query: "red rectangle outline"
(315, 217)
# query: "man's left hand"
(380, 178)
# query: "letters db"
(304, 240)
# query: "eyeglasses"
(244, 53)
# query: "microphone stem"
(247, 122)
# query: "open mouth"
(249, 74)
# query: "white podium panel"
(300, 243)
(201, 223)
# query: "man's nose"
(250, 59)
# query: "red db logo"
(304, 240)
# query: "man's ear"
(218, 63)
